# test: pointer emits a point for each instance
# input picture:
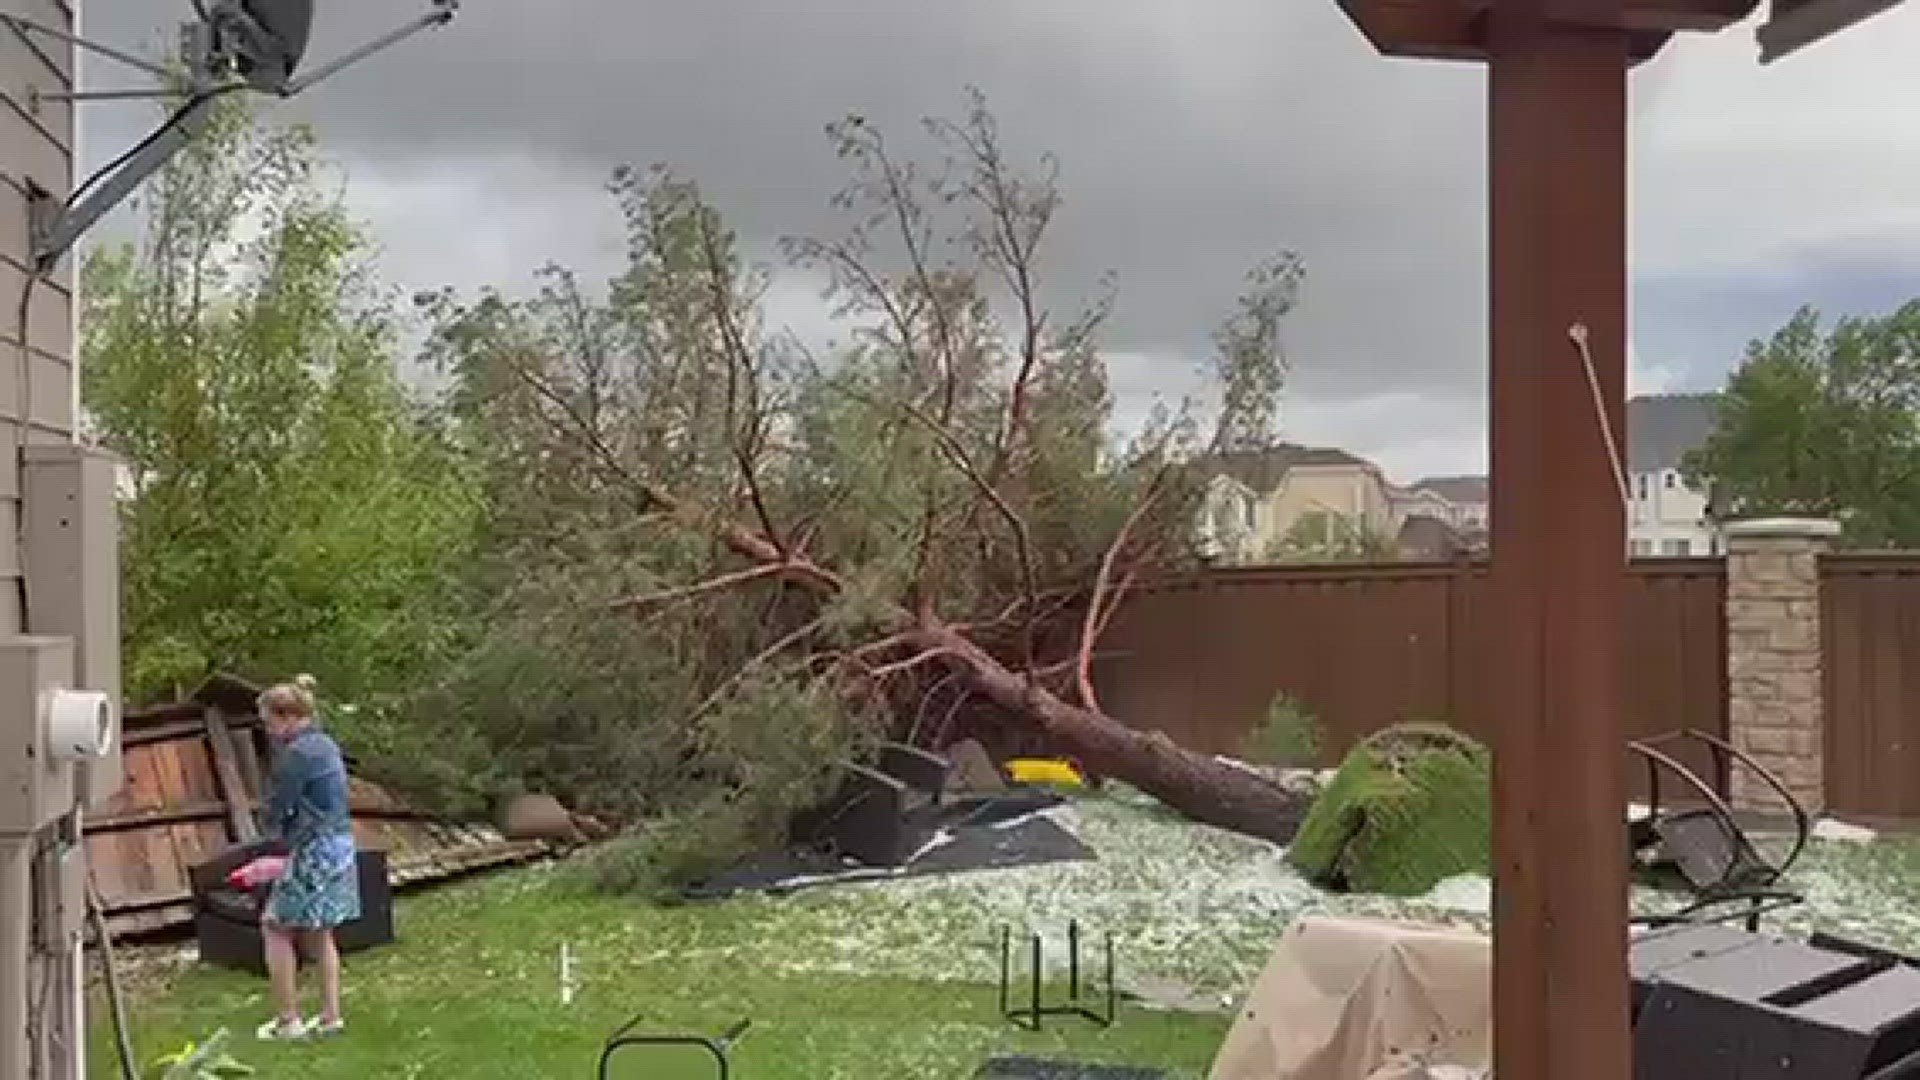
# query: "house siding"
(36, 389)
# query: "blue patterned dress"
(308, 808)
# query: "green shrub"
(1410, 807)
(769, 750)
(1289, 735)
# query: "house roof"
(1423, 536)
(1455, 489)
(1427, 536)
(1262, 470)
(1663, 428)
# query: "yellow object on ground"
(1044, 771)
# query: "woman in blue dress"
(319, 890)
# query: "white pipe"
(77, 1032)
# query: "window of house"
(1673, 479)
(1643, 547)
(1643, 485)
(1681, 547)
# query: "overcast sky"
(1193, 138)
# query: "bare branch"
(703, 588)
(742, 377)
(1095, 622)
(900, 666)
(727, 686)
(1023, 542)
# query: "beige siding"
(34, 148)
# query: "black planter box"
(227, 920)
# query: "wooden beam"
(1667, 16)
(242, 827)
(1697, 16)
(172, 815)
(1423, 29)
(1456, 29)
(214, 810)
(1558, 192)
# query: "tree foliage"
(291, 509)
(1326, 536)
(1822, 421)
(662, 560)
(929, 525)
(1249, 362)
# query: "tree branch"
(727, 686)
(1022, 538)
(711, 585)
(885, 671)
(740, 370)
(1094, 623)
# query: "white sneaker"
(321, 1029)
(278, 1030)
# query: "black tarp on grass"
(989, 833)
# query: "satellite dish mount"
(231, 46)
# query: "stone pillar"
(1775, 695)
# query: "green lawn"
(880, 982)
(472, 991)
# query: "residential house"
(1666, 516)
(1442, 517)
(1253, 499)
(1460, 501)
(1428, 537)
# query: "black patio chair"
(718, 1047)
(1705, 842)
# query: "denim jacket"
(308, 801)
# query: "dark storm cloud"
(1193, 139)
(1701, 324)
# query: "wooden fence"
(1870, 634)
(195, 781)
(1365, 646)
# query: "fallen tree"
(909, 522)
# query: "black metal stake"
(1073, 960)
(1036, 982)
(1032, 1012)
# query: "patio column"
(1558, 177)
(1775, 696)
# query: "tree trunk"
(1200, 786)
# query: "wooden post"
(1558, 176)
(241, 827)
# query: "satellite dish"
(230, 46)
(266, 39)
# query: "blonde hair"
(289, 698)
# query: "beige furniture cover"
(1362, 999)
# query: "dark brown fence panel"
(1363, 647)
(1675, 658)
(1870, 633)
(1202, 659)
